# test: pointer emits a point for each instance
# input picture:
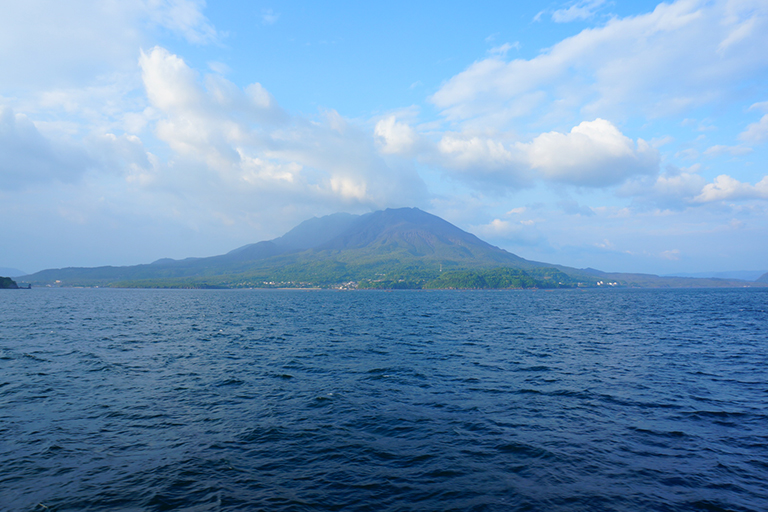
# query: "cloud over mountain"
(244, 137)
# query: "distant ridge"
(11, 272)
(745, 275)
(392, 248)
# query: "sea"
(297, 400)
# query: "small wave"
(525, 450)
(230, 382)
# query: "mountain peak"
(411, 232)
(316, 231)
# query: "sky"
(623, 136)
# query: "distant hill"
(762, 279)
(744, 275)
(11, 272)
(393, 248)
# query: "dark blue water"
(268, 400)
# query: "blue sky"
(625, 136)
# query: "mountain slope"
(341, 244)
(403, 247)
(11, 272)
(310, 233)
(412, 234)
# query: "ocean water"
(625, 400)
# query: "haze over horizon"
(625, 137)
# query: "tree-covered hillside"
(8, 283)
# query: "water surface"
(625, 400)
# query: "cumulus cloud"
(657, 64)
(593, 154)
(246, 139)
(673, 189)
(727, 188)
(499, 228)
(681, 188)
(395, 137)
(477, 158)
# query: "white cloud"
(71, 68)
(483, 159)
(578, 11)
(504, 48)
(656, 64)
(740, 25)
(498, 228)
(678, 186)
(756, 133)
(183, 17)
(395, 137)
(245, 140)
(169, 82)
(727, 188)
(594, 154)
(682, 188)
